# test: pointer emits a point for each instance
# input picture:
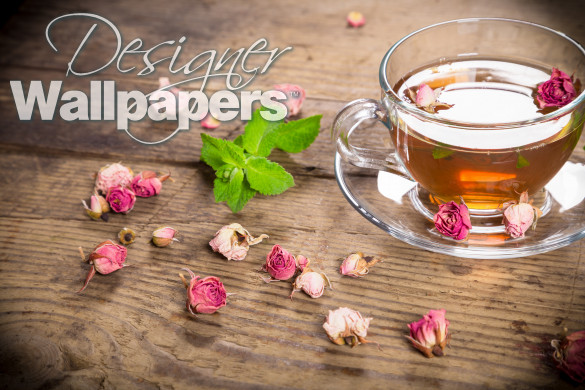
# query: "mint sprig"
(241, 166)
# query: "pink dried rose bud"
(280, 264)
(302, 262)
(357, 265)
(430, 334)
(346, 326)
(233, 241)
(209, 122)
(295, 96)
(112, 175)
(427, 98)
(97, 207)
(519, 217)
(355, 19)
(164, 236)
(311, 282)
(204, 295)
(106, 258)
(147, 184)
(558, 91)
(453, 220)
(121, 199)
(570, 355)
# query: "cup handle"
(349, 120)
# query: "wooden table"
(130, 329)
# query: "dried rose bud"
(356, 265)
(95, 211)
(164, 236)
(106, 258)
(302, 262)
(426, 98)
(204, 295)
(280, 264)
(112, 175)
(311, 282)
(126, 236)
(209, 122)
(453, 220)
(121, 199)
(147, 184)
(519, 217)
(558, 91)
(295, 96)
(570, 355)
(355, 19)
(430, 334)
(233, 241)
(345, 325)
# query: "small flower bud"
(164, 236)
(302, 262)
(204, 295)
(112, 175)
(121, 199)
(106, 258)
(280, 264)
(312, 283)
(355, 19)
(95, 211)
(345, 325)
(126, 236)
(209, 122)
(519, 217)
(430, 334)
(453, 220)
(295, 96)
(233, 241)
(356, 265)
(147, 184)
(570, 355)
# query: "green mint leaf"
(217, 152)
(238, 141)
(259, 135)
(296, 136)
(237, 203)
(235, 191)
(440, 152)
(522, 162)
(267, 177)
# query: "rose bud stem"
(184, 280)
(165, 177)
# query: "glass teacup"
(490, 137)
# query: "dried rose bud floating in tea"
(430, 335)
(558, 91)
(233, 241)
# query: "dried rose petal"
(147, 184)
(430, 334)
(121, 199)
(280, 264)
(311, 282)
(106, 258)
(519, 217)
(204, 295)
(558, 91)
(164, 236)
(112, 175)
(453, 220)
(209, 122)
(345, 325)
(356, 265)
(570, 355)
(355, 19)
(233, 241)
(295, 96)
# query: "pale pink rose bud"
(430, 334)
(147, 184)
(345, 325)
(570, 355)
(295, 96)
(204, 295)
(356, 265)
(209, 122)
(280, 264)
(426, 98)
(355, 19)
(112, 175)
(302, 262)
(95, 209)
(164, 236)
(453, 220)
(519, 217)
(312, 283)
(121, 199)
(233, 241)
(106, 258)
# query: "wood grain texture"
(130, 329)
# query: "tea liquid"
(486, 166)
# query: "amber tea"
(489, 165)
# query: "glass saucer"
(405, 218)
